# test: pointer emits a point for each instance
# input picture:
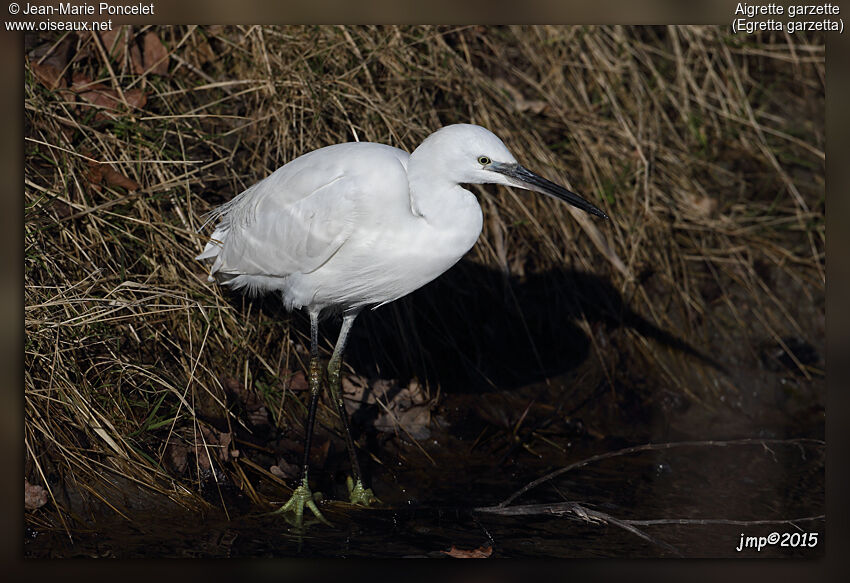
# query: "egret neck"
(443, 204)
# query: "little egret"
(355, 225)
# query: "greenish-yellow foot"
(301, 497)
(358, 494)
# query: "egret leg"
(358, 493)
(302, 496)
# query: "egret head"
(474, 155)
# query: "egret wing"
(273, 231)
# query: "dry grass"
(705, 149)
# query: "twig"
(650, 447)
(596, 516)
(559, 508)
(586, 514)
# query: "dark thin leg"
(302, 496)
(315, 391)
(358, 493)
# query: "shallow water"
(738, 482)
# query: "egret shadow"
(476, 328)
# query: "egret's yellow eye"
(483, 160)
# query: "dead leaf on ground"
(252, 403)
(298, 382)
(50, 75)
(114, 41)
(105, 174)
(479, 553)
(154, 55)
(48, 63)
(100, 95)
(285, 470)
(203, 52)
(177, 457)
(114, 178)
(147, 55)
(215, 443)
(399, 408)
(62, 208)
(35, 496)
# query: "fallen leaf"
(231, 386)
(114, 40)
(203, 459)
(49, 75)
(177, 457)
(136, 59)
(136, 98)
(34, 496)
(102, 96)
(95, 176)
(104, 173)
(48, 63)
(413, 421)
(479, 553)
(148, 55)
(252, 403)
(259, 417)
(63, 209)
(298, 382)
(399, 408)
(203, 52)
(152, 57)
(114, 178)
(155, 54)
(214, 443)
(285, 470)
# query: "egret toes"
(302, 497)
(358, 494)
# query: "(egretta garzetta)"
(360, 224)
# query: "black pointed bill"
(529, 180)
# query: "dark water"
(740, 482)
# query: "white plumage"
(356, 224)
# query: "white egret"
(355, 225)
